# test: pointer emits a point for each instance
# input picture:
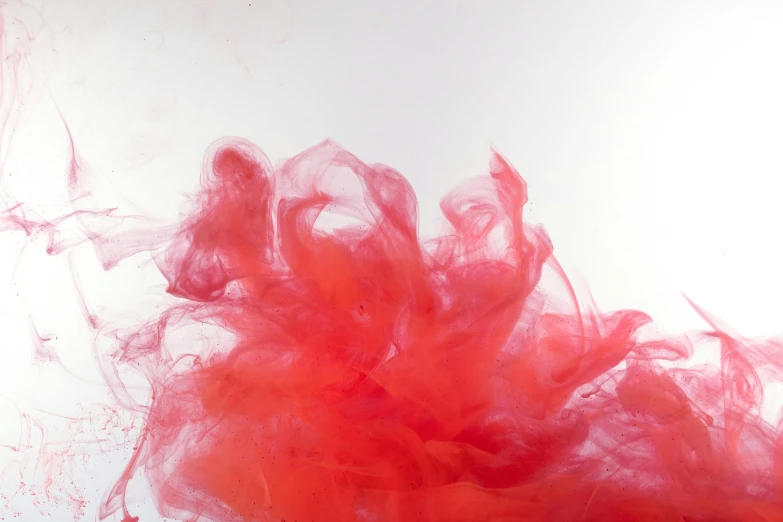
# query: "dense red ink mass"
(372, 376)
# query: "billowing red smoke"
(322, 363)
(372, 376)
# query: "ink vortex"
(369, 375)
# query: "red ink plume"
(371, 376)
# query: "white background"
(649, 132)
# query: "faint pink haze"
(322, 362)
